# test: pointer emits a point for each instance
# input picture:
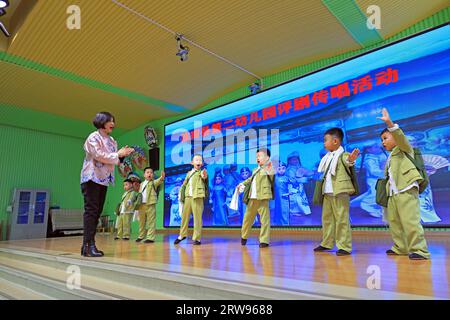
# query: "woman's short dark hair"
(102, 118)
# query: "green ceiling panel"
(46, 122)
(354, 21)
(4, 56)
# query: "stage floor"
(288, 263)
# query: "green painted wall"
(34, 159)
(136, 136)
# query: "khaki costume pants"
(403, 215)
(147, 222)
(336, 222)
(194, 206)
(254, 207)
(124, 225)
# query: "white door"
(30, 214)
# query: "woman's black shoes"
(90, 250)
(100, 251)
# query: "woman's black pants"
(94, 199)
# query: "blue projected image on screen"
(411, 78)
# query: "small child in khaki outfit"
(257, 194)
(403, 210)
(336, 191)
(192, 194)
(130, 201)
(147, 209)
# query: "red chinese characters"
(362, 84)
(387, 76)
(339, 91)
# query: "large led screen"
(411, 78)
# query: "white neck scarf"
(326, 159)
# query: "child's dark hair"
(335, 132)
(265, 150)
(146, 168)
(102, 118)
(127, 180)
(384, 131)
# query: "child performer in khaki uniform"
(130, 201)
(147, 209)
(403, 211)
(259, 189)
(192, 194)
(336, 191)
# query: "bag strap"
(125, 194)
(190, 177)
(424, 175)
(411, 159)
(254, 175)
(154, 188)
(205, 183)
(326, 170)
(153, 185)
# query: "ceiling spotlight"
(4, 4)
(254, 88)
(183, 50)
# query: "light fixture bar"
(4, 30)
(159, 25)
(4, 4)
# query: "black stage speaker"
(153, 159)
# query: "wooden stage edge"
(438, 232)
(289, 265)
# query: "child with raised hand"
(403, 207)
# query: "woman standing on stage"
(96, 175)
